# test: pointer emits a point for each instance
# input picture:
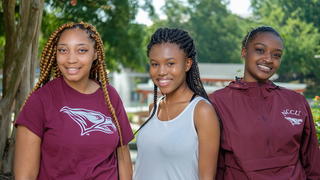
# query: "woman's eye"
(154, 64)
(62, 51)
(82, 50)
(277, 55)
(170, 64)
(259, 50)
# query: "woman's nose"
(163, 70)
(72, 58)
(268, 57)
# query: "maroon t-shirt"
(79, 138)
(267, 133)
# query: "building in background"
(136, 89)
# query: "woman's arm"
(124, 163)
(207, 125)
(27, 154)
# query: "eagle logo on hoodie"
(89, 120)
(293, 120)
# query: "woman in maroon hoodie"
(267, 131)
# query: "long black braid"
(185, 42)
(252, 34)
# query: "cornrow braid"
(185, 43)
(252, 34)
(49, 68)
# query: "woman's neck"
(85, 87)
(182, 94)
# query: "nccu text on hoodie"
(267, 133)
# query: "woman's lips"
(72, 70)
(264, 68)
(164, 82)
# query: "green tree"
(216, 31)
(305, 10)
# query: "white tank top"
(168, 150)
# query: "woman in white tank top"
(180, 139)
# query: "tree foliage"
(216, 31)
(307, 11)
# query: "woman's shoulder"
(48, 88)
(205, 115)
(220, 94)
(203, 105)
(112, 91)
(282, 91)
(221, 91)
(42, 95)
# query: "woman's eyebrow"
(258, 43)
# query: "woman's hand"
(124, 163)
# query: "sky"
(240, 7)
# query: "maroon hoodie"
(267, 133)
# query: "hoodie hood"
(254, 88)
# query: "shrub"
(315, 108)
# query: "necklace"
(166, 108)
(166, 104)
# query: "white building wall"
(122, 83)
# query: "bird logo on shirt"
(89, 120)
(292, 120)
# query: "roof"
(222, 71)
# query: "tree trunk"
(21, 33)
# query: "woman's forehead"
(75, 36)
(268, 39)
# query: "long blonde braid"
(102, 77)
(50, 70)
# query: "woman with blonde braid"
(73, 125)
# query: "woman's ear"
(188, 64)
(243, 52)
